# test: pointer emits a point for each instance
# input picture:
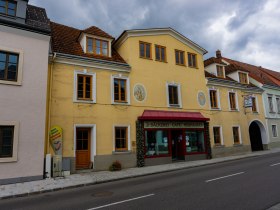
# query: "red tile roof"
(234, 67)
(172, 115)
(65, 40)
(212, 60)
(93, 30)
(262, 75)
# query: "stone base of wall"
(103, 162)
(274, 145)
(20, 179)
(195, 157)
(157, 161)
(221, 151)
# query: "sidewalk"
(83, 179)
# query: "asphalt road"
(249, 184)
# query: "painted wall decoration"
(56, 139)
(139, 92)
(201, 98)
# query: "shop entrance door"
(83, 148)
(178, 145)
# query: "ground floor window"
(274, 131)
(156, 142)
(6, 141)
(195, 141)
(217, 135)
(121, 141)
(235, 132)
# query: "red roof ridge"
(94, 30)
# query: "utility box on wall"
(57, 166)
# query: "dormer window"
(220, 71)
(8, 7)
(97, 46)
(243, 78)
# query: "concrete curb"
(157, 170)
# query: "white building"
(24, 48)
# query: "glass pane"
(2, 10)
(157, 53)
(79, 134)
(3, 56)
(85, 145)
(13, 58)
(98, 51)
(104, 51)
(85, 134)
(177, 56)
(156, 142)
(2, 74)
(11, 12)
(79, 144)
(7, 151)
(12, 67)
(97, 44)
(142, 54)
(2, 3)
(12, 75)
(148, 48)
(195, 141)
(11, 5)
(182, 58)
(162, 54)
(105, 45)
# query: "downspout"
(49, 101)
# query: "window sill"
(121, 103)
(215, 109)
(193, 67)
(175, 106)
(8, 16)
(272, 112)
(178, 64)
(234, 110)
(6, 82)
(161, 61)
(121, 152)
(146, 58)
(237, 144)
(255, 112)
(219, 145)
(8, 160)
(84, 101)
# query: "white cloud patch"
(244, 30)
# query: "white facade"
(24, 104)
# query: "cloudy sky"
(243, 30)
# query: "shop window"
(192, 60)
(85, 87)
(220, 71)
(270, 103)
(156, 142)
(8, 7)
(236, 135)
(97, 46)
(243, 78)
(195, 141)
(160, 53)
(174, 94)
(254, 105)
(274, 131)
(217, 135)
(180, 57)
(213, 99)
(145, 50)
(121, 139)
(8, 66)
(232, 101)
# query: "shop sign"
(248, 102)
(172, 124)
(56, 139)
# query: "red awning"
(172, 115)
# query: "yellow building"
(237, 122)
(141, 99)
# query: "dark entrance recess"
(178, 143)
(255, 137)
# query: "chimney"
(218, 54)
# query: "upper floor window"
(180, 57)
(84, 83)
(160, 53)
(174, 99)
(220, 71)
(8, 66)
(243, 78)
(254, 105)
(97, 46)
(8, 7)
(232, 101)
(270, 103)
(213, 99)
(192, 60)
(145, 50)
(278, 104)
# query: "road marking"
(222, 177)
(275, 164)
(111, 204)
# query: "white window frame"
(93, 86)
(20, 65)
(236, 101)
(14, 157)
(239, 133)
(276, 130)
(218, 98)
(223, 71)
(92, 139)
(179, 95)
(120, 76)
(271, 108)
(278, 104)
(221, 134)
(257, 104)
(246, 77)
(128, 139)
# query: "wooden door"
(83, 148)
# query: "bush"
(116, 166)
